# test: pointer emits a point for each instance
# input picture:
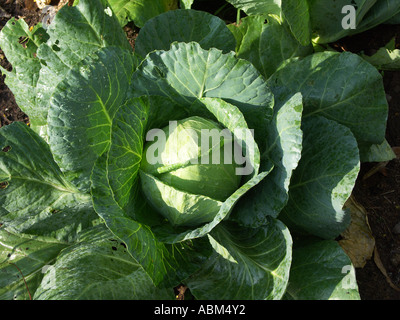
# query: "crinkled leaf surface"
(21, 253)
(139, 11)
(284, 145)
(248, 263)
(75, 33)
(323, 180)
(99, 268)
(341, 87)
(187, 72)
(184, 26)
(266, 45)
(82, 108)
(37, 198)
(321, 271)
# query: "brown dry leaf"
(42, 3)
(357, 240)
(396, 150)
(381, 166)
(382, 268)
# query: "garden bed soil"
(378, 193)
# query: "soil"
(379, 194)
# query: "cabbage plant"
(86, 214)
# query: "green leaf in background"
(184, 26)
(139, 11)
(266, 45)
(187, 72)
(323, 180)
(252, 7)
(326, 20)
(386, 58)
(321, 271)
(247, 263)
(20, 46)
(98, 269)
(22, 257)
(186, 4)
(82, 108)
(296, 14)
(37, 199)
(341, 87)
(284, 144)
(394, 20)
(376, 152)
(382, 11)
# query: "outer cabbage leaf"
(266, 45)
(284, 144)
(323, 180)
(247, 263)
(297, 16)
(82, 108)
(37, 198)
(22, 254)
(341, 87)
(99, 268)
(321, 271)
(75, 33)
(184, 26)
